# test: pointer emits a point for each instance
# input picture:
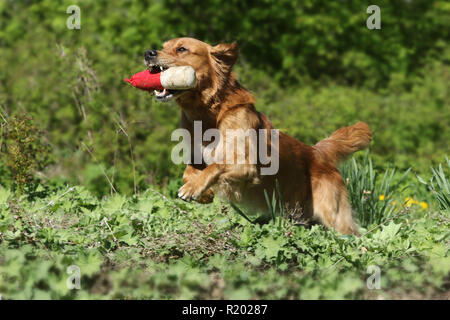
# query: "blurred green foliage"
(25, 151)
(313, 65)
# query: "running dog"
(307, 176)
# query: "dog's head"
(212, 65)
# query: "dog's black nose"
(149, 54)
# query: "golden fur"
(307, 175)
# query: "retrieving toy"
(174, 78)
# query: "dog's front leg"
(191, 173)
(195, 186)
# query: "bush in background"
(25, 152)
(314, 67)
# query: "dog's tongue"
(145, 80)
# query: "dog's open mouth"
(165, 94)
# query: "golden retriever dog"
(307, 175)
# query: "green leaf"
(388, 232)
(273, 246)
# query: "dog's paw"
(190, 191)
(206, 197)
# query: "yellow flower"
(409, 201)
(381, 197)
(424, 205)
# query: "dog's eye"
(181, 49)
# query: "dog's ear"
(225, 53)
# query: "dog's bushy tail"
(343, 142)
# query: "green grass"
(367, 187)
(439, 186)
(151, 246)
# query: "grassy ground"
(152, 246)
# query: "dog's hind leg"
(331, 206)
